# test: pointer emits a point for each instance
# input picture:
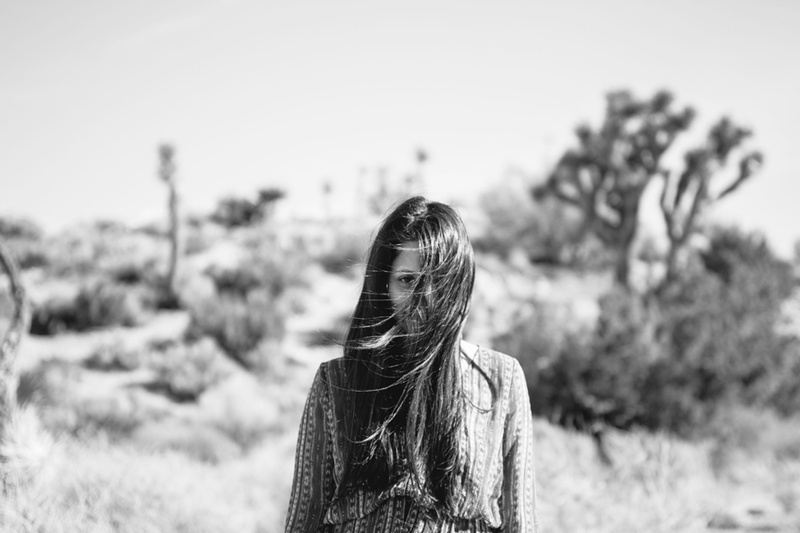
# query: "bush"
(722, 325)
(184, 372)
(265, 268)
(51, 387)
(238, 325)
(116, 416)
(114, 356)
(582, 379)
(672, 360)
(334, 335)
(99, 305)
(20, 228)
(48, 383)
(24, 240)
(346, 253)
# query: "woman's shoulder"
(331, 370)
(497, 366)
(487, 356)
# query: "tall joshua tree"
(606, 176)
(166, 171)
(685, 198)
(9, 343)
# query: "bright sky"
(292, 93)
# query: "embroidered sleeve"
(519, 495)
(313, 485)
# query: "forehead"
(407, 257)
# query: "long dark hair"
(402, 365)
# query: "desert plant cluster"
(160, 380)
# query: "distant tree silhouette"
(232, 212)
(166, 171)
(606, 176)
(267, 198)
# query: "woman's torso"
(487, 380)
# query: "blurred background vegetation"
(165, 365)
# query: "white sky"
(291, 93)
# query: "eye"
(406, 279)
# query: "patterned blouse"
(498, 439)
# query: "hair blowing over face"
(403, 368)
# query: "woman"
(415, 429)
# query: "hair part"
(403, 370)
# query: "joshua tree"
(10, 341)
(685, 199)
(166, 172)
(606, 175)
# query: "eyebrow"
(403, 269)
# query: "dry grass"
(91, 487)
(657, 483)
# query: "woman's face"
(405, 271)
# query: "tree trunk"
(173, 243)
(10, 342)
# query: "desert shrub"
(721, 325)
(81, 250)
(238, 325)
(671, 360)
(265, 358)
(132, 273)
(24, 241)
(28, 253)
(52, 386)
(47, 383)
(116, 417)
(332, 335)
(241, 280)
(265, 268)
(105, 304)
(346, 253)
(15, 228)
(585, 378)
(184, 371)
(114, 356)
(101, 304)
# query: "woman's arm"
(313, 485)
(519, 494)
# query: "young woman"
(414, 429)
